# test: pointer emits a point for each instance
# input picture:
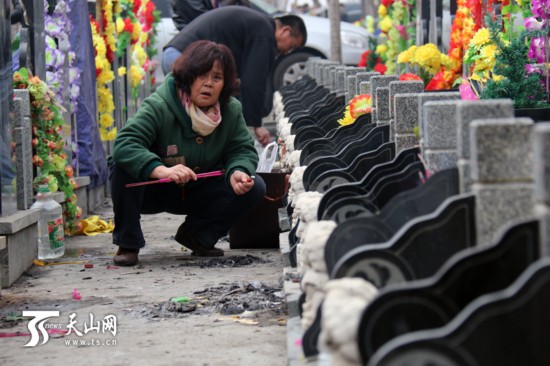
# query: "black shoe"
(187, 240)
(126, 257)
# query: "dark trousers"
(211, 208)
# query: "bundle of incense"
(168, 180)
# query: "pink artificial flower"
(466, 92)
(402, 31)
(532, 23)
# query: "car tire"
(290, 69)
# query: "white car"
(288, 68)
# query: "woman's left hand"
(241, 182)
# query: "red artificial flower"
(409, 76)
(364, 56)
(380, 68)
(137, 5)
(437, 82)
(128, 25)
(387, 3)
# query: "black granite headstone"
(404, 207)
(432, 303)
(372, 202)
(345, 154)
(418, 249)
(358, 168)
(506, 328)
(364, 185)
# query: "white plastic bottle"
(51, 236)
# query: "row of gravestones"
(416, 250)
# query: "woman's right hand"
(180, 174)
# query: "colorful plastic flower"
(359, 105)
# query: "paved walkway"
(231, 309)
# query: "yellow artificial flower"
(121, 71)
(347, 119)
(428, 57)
(119, 25)
(136, 31)
(382, 11)
(407, 55)
(385, 24)
(140, 55)
(106, 76)
(447, 62)
(135, 75)
(381, 49)
(481, 37)
(107, 135)
(106, 120)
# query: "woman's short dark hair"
(197, 59)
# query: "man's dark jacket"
(187, 10)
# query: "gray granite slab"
(542, 212)
(380, 81)
(437, 160)
(364, 87)
(383, 104)
(404, 87)
(405, 141)
(498, 204)
(439, 121)
(405, 112)
(501, 150)
(541, 158)
(433, 96)
(24, 95)
(467, 111)
(363, 76)
(340, 80)
(464, 175)
(352, 91)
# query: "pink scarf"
(202, 122)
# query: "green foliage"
(525, 89)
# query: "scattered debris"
(258, 301)
(180, 299)
(231, 261)
(38, 262)
(12, 318)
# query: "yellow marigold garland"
(104, 75)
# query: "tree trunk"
(335, 42)
(369, 7)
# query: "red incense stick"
(168, 180)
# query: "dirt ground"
(171, 309)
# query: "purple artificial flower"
(541, 8)
(530, 68)
(536, 51)
(532, 23)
